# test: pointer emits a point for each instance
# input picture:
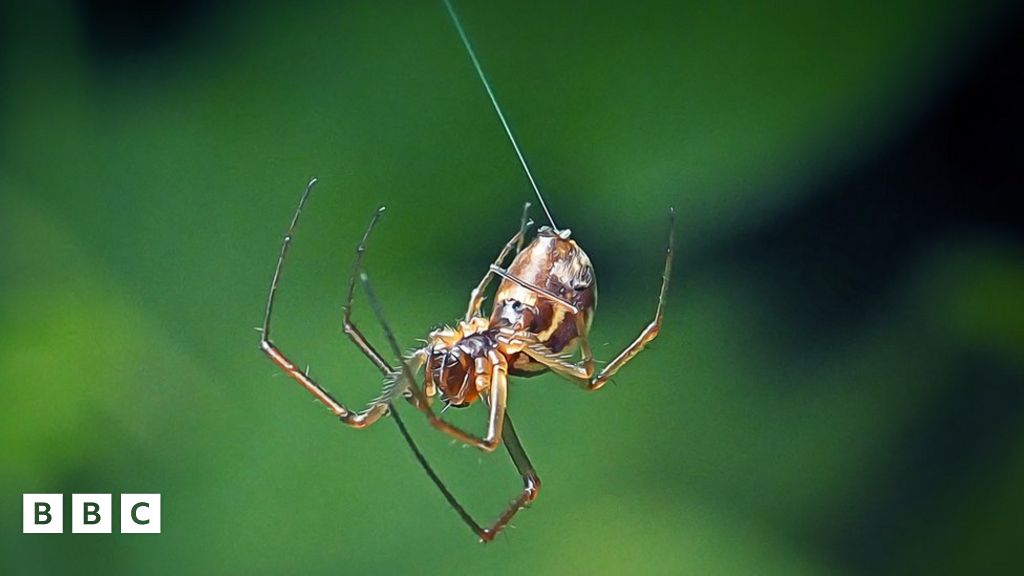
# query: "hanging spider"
(541, 317)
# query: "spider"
(540, 320)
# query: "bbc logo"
(90, 513)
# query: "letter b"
(90, 513)
(42, 513)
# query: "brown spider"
(541, 316)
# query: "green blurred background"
(838, 386)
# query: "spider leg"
(355, 419)
(531, 482)
(583, 371)
(498, 399)
(448, 496)
(476, 297)
(350, 328)
(524, 223)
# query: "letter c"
(135, 517)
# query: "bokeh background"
(838, 387)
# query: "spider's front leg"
(361, 419)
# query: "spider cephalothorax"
(460, 360)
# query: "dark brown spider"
(541, 317)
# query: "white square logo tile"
(140, 513)
(91, 513)
(42, 513)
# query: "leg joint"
(532, 486)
